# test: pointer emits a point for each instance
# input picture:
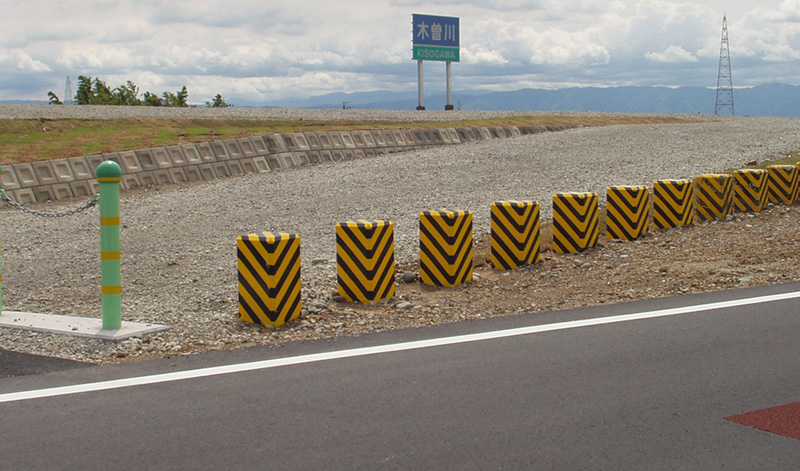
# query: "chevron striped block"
(445, 245)
(365, 260)
(673, 203)
(750, 189)
(515, 234)
(576, 222)
(714, 196)
(627, 212)
(783, 184)
(269, 277)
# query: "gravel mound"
(179, 242)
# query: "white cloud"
(21, 61)
(269, 50)
(672, 54)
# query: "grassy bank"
(33, 140)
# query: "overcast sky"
(262, 50)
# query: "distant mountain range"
(763, 100)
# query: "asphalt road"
(643, 393)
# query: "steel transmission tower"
(68, 100)
(724, 81)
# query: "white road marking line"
(397, 347)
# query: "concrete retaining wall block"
(63, 170)
(275, 144)
(176, 156)
(146, 160)
(161, 156)
(313, 141)
(8, 178)
(220, 151)
(26, 175)
(206, 152)
(246, 145)
(234, 149)
(81, 188)
(192, 154)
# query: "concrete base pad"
(77, 326)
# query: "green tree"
(178, 100)
(84, 94)
(97, 92)
(217, 102)
(151, 99)
(53, 98)
(102, 94)
(127, 95)
(183, 97)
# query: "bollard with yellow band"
(750, 189)
(627, 212)
(515, 234)
(269, 277)
(109, 175)
(365, 260)
(714, 196)
(576, 222)
(445, 247)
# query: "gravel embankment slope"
(179, 242)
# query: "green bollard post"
(109, 175)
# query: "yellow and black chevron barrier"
(576, 222)
(627, 212)
(445, 247)
(269, 277)
(714, 196)
(750, 189)
(365, 260)
(673, 203)
(515, 234)
(782, 184)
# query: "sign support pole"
(449, 105)
(421, 106)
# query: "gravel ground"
(179, 242)
(116, 112)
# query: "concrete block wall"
(76, 177)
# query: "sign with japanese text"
(436, 38)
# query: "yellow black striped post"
(576, 222)
(269, 277)
(673, 203)
(365, 260)
(782, 184)
(750, 189)
(627, 212)
(515, 234)
(445, 247)
(714, 196)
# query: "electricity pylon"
(724, 81)
(68, 100)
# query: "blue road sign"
(442, 31)
(436, 37)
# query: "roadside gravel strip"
(179, 242)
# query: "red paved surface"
(782, 420)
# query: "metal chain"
(43, 214)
